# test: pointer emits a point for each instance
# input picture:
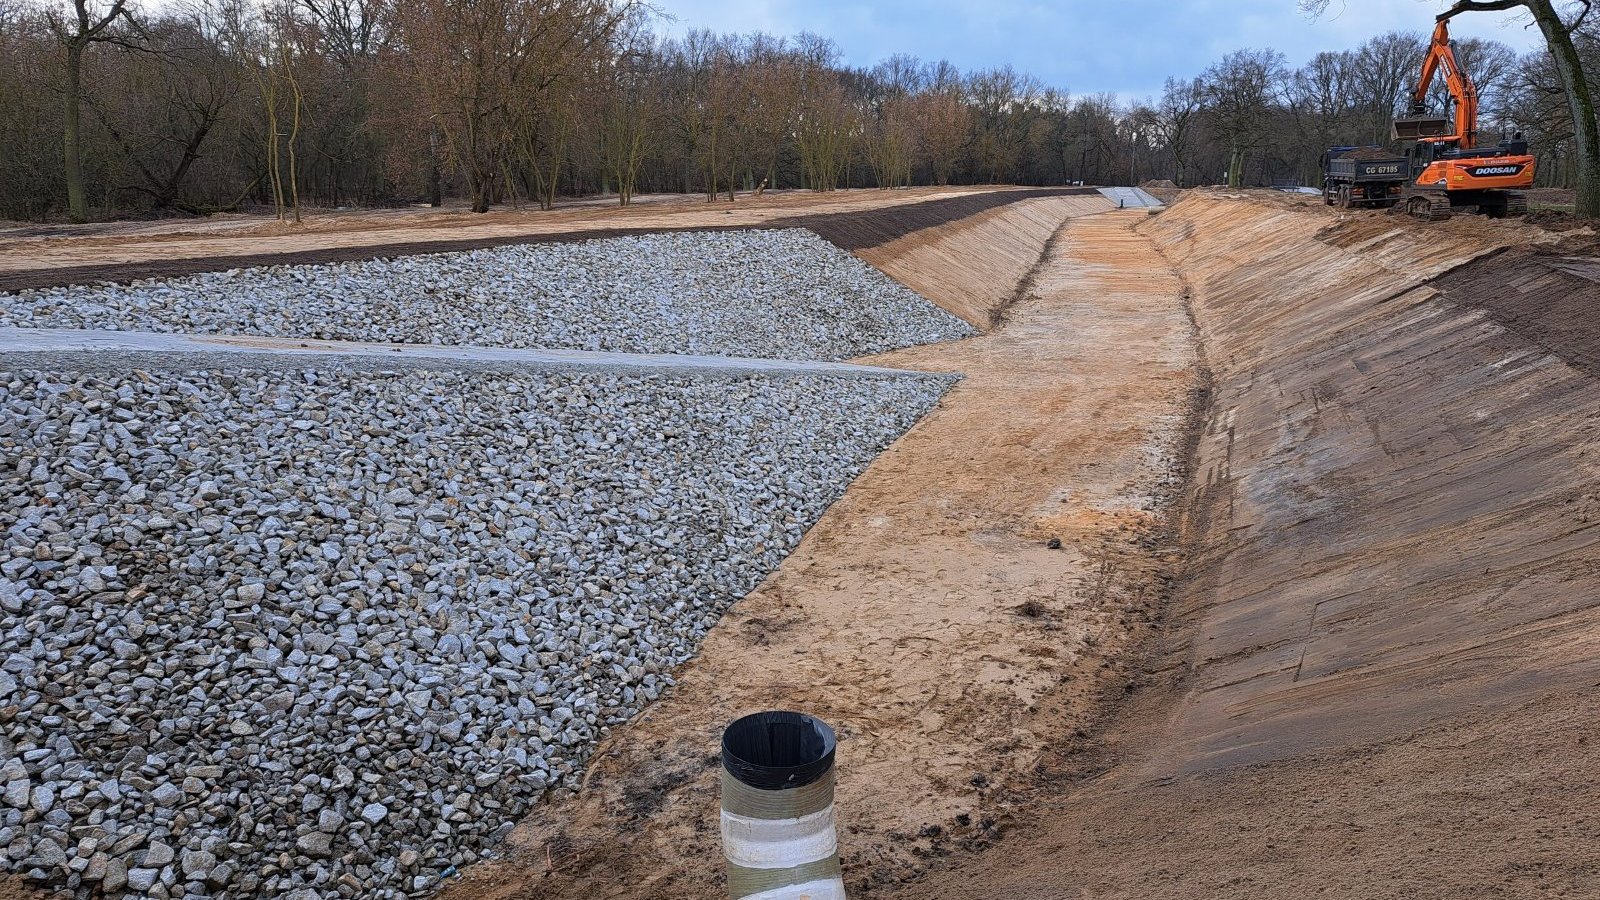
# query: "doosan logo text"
(1496, 170)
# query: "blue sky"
(1127, 47)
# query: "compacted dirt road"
(927, 616)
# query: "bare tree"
(628, 111)
(485, 69)
(86, 27)
(374, 101)
(269, 46)
(1492, 66)
(724, 103)
(1140, 127)
(888, 134)
(1177, 115)
(1322, 100)
(944, 119)
(174, 92)
(774, 81)
(354, 31)
(30, 130)
(1005, 107)
(1094, 125)
(1240, 92)
(826, 118)
(1386, 69)
(686, 78)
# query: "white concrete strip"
(68, 344)
(778, 843)
(1130, 197)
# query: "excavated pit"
(974, 593)
(1352, 654)
(1371, 679)
(1384, 646)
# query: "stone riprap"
(319, 632)
(784, 294)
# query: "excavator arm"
(1420, 126)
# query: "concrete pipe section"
(778, 830)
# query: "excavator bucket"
(1420, 128)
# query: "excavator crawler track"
(1429, 208)
(1516, 204)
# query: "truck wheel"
(1344, 196)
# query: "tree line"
(108, 108)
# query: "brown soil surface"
(56, 243)
(1552, 197)
(1548, 298)
(924, 615)
(1391, 613)
(976, 267)
(1370, 153)
(1162, 189)
(850, 219)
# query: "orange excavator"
(1454, 175)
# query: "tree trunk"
(1585, 137)
(435, 178)
(77, 209)
(482, 185)
(294, 138)
(1235, 167)
(167, 195)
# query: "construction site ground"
(1257, 555)
(43, 256)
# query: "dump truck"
(1369, 177)
(1455, 175)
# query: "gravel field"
(321, 632)
(784, 294)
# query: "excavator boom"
(1418, 126)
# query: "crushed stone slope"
(312, 626)
(783, 294)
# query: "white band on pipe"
(778, 843)
(827, 889)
